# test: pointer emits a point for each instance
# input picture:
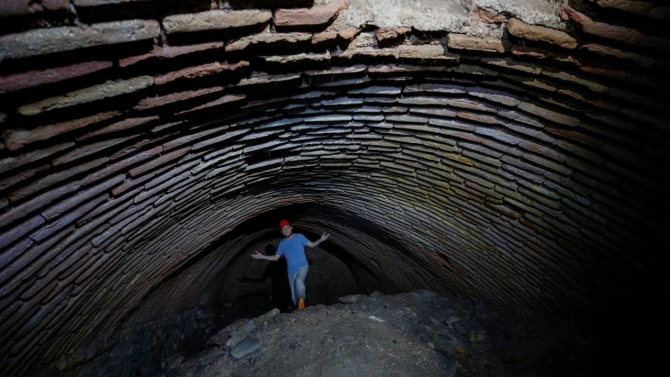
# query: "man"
(292, 247)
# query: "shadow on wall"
(279, 296)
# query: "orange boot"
(301, 303)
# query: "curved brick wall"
(515, 152)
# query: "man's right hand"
(257, 255)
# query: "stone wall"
(482, 149)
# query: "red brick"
(479, 118)
(315, 16)
(18, 138)
(158, 161)
(122, 125)
(75, 260)
(168, 52)
(267, 39)
(42, 41)
(31, 79)
(130, 183)
(75, 214)
(387, 37)
(115, 167)
(9, 163)
(541, 150)
(488, 17)
(600, 29)
(266, 4)
(151, 102)
(25, 7)
(22, 176)
(88, 150)
(14, 252)
(199, 71)
(326, 36)
(348, 34)
(36, 203)
(106, 90)
(524, 174)
(576, 136)
(19, 230)
(520, 29)
(215, 20)
(221, 101)
(55, 178)
(465, 42)
(81, 196)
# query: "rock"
(477, 336)
(451, 320)
(351, 299)
(459, 328)
(267, 316)
(245, 348)
(236, 339)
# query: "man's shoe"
(301, 303)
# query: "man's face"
(286, 231)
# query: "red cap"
(283, 223)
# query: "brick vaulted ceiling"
(510, 150)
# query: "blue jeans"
(297, 283)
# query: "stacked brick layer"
(527, 169)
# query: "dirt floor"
(413, 334)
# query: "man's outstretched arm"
(316, 243)
(258, 255)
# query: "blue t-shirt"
(293, 249)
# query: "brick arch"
(514, 154)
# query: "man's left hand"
(324, 237)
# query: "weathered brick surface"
(87, 95)
(465, 42)
(199, 71)
(9, 163)
(158, 161)
(317, 15)
(24, 7)
(559, 38)
(16, 138)
(169, 52)
(121, 125)
(31, 79)
(152, 102)
(433, 52)
(214, 20)
(56, 178)
(82, 196)
(88, 150)
(65, 38)
(601, 29)
(261, 40)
